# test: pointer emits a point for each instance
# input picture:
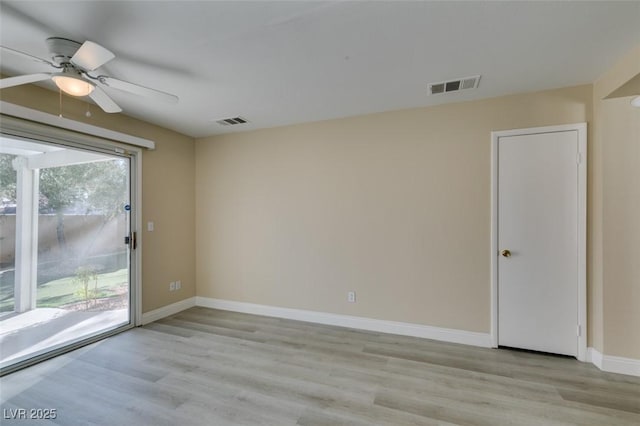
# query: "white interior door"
(538, 241)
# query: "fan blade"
(27, 56)
(137, 89)
(104, 101)
(91, 56)
(23, 79)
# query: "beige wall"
(167, 187)
(395, 206)
(617, 134)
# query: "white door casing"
(539, 214)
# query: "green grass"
(65, 290)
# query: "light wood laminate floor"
(211, 367)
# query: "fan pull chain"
(88, 113)
(60, 103)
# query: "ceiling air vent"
(232, 121)
(454, 85)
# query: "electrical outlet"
(178, 285)
(351, 297)
(172, 286)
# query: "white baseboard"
(594, 357)
(609, 363)
(614, 364)
(165, 311)
(382, 326)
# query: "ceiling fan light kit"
(74, 62)
(72, 85)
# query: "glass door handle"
(131, 240)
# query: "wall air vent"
(232, 121)
(454, 85)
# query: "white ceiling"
(279, 63)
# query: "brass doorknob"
(505, 253)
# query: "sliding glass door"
(65, 247)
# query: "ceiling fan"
(75, 63)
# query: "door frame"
(31, 124)
(581, 160)
(14, 116)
